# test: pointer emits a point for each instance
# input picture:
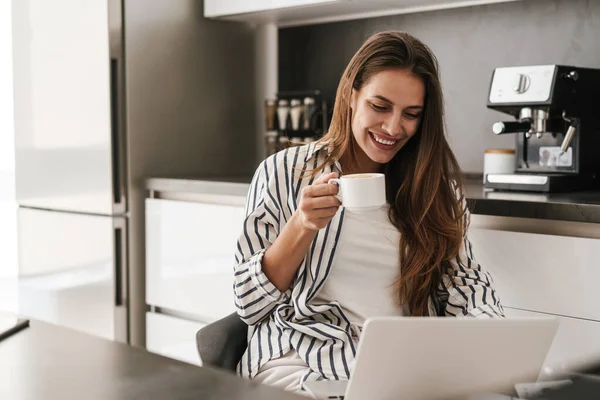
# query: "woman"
(308, 273)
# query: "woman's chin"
(379, 158)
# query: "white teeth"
(387, 142)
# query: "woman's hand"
(318, 203)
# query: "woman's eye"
(412, 116)
(378, 108)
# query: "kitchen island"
(541, 249)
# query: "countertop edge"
(587, 213)
(204, 186)
(480, 202)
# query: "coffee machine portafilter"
(557, 125)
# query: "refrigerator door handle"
(117, 105)
(120, 273)
(117, 136)
(121, 282)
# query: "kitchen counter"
(571, 207)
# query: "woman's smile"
(383, 142)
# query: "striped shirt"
(319, 332)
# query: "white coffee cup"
(361, 192)
(498, 161)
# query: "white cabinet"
(220, 8)
(541, 274)
(190, 250)
(303, 12)
(544, 273)
(577, 341)
(172, 337)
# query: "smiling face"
(386, 113)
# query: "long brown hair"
(422, 180)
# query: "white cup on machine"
(498, 161)
(361, 192)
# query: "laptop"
(423, 358)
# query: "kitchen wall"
(469, 43)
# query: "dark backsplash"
(469, 43)
(314, 56)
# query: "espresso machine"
(556, 111)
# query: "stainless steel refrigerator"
(108, 93)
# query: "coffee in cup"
(361, 192)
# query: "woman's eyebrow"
(385, 99)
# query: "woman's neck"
(365, 164)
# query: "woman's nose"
(394, 125)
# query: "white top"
(361, 280)
(365, 267)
